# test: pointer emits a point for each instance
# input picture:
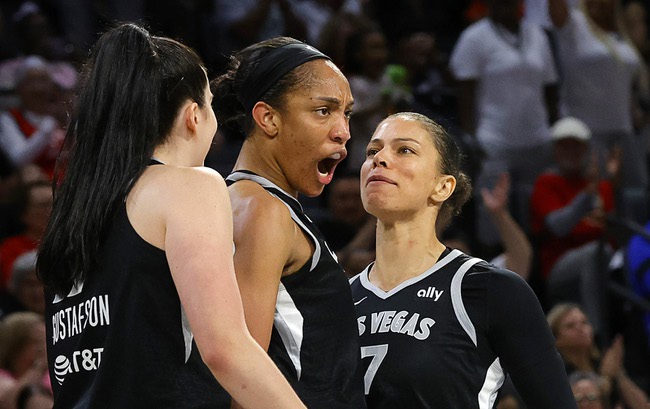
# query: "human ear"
(266, 118)
(191, 113)
(444, 188)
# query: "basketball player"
(293, 105)
(136, 295)
(438, 328)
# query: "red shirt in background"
(553, 192)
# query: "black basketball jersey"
(314, 340)
(121, 339)
(446, 339)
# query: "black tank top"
(121, 339)
(314, 340)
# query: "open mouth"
(326, 167)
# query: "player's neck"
(255, 159)
(403, 251)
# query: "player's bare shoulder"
(251, 204)
(185, 185)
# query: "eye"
(348, 113)
(371, 152)
(323, 111)
(405, 149)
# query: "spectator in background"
(399, 19)
(244, 22)
(336, 32)
(568, 209)
(574, 338)
(30, 132)
(635, 17)
(506, 79)
(589, 390)
(518, 253)
(36, 35)
(600, 69)
(22, 355)
(348, 229)
(316, 14)
(637, 255)
(25, 290)
(33, 203)
(379, 89)
(429, 79)
(10, 223)
(344, 210)
(65, 78)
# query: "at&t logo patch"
(84, 360)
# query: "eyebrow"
(406, 140)
(397, 140)
(333, 100)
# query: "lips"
(380, 178)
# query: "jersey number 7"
(378, 353)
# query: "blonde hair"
(15, 332)
(558, 313)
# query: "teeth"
(335, 156)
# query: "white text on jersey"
(430, 292)
(73, 320)
(87, 360)
(397, 322)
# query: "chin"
(375, 206)
(312, 193)
(312, 190)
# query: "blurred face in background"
(30, 293)
(571, 156)
(574, 331)
(587, 394)
(37, 92)
(33, 351)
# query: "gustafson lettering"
(400, 322)
(72, 320)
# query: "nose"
(380, 159)
(340, 131)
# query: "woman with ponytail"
(143, 308)
(439, 328)
(292, 105)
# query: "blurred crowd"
(548, 99)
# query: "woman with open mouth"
(292, 104)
